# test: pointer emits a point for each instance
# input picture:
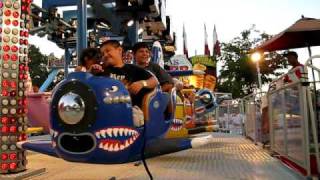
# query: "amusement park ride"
(83, 124)
(91, 117)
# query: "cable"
(143, 148)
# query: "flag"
(185, 45)
(216, 43)
(206, 47)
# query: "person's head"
(292, 58)
(141, 53)
(89, 56)
(111, 52)
(35, 88)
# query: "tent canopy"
(305, 32)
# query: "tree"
(239, 74)
(37, 66)
(39, 70)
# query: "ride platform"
(226, 157)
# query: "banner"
(208, 65)
(204, 60)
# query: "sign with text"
(208, 65)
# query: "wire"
(143, 148)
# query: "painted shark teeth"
(177, 121)
(98, 135)
(176, 128)
(103, 133)
(109, 132)
(121, 131)
(115, 147)
(53, 133)
(115, 132)
(177, 125)
(109, 137)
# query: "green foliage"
(37, 66)
(59, 77)
(239, 74)
(39, 70)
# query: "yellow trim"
(34, 130)
(187, 90)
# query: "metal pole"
(259, 76)
(314, 89)
(133, 33)
(67, 59)
(313, 116)
(228, 114)
(313, 75)
(82, 26)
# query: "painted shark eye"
(113, 89)
(206, 98)
(71, 108)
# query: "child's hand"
(95, 69)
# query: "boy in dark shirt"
(141, 54)
(137, 80)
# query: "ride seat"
(171, 109)
(147, 102)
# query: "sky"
(233, 16)
(229, 16)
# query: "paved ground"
(227, 157)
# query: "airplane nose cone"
(71, 108)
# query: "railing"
(251, 110)
(292, 112)
(229, 117)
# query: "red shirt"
(295, 75)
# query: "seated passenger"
(141, 54)
(137, 80)
(88, 57)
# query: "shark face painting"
(91, 120)
(205, 102)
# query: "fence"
(293, 112)
(252, 112)
(229, 116)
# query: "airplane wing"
(41, 144)
(166, 146)
(154, 148)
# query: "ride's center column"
(14, 25)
